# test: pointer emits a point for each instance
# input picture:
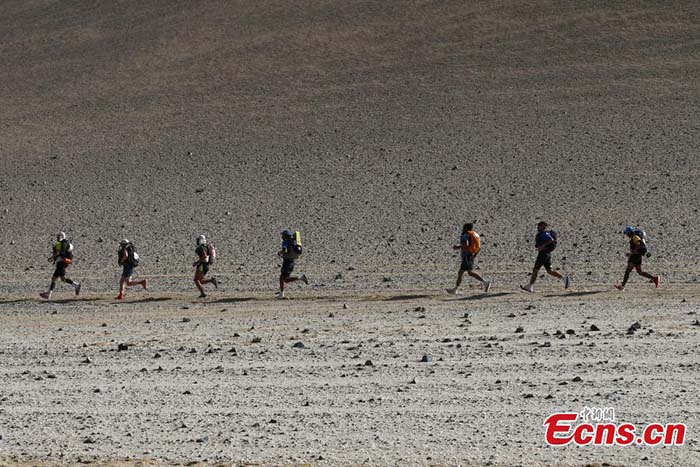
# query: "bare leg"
(642, 273)
(627, 274)
(476, 276)
(198, 282)
(533, 276)
(554, 273)
(459, 279)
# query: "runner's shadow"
(73, 300)
(233, 300)
(406, 297)
(151, 299)
(576, 294)
(18, 300)
(484, 295)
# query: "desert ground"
(377, 129)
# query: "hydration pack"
(64, 249)
(474, 246)
(211, 252)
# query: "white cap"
(124, 242)
(61, 236)
(201, 240)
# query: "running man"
(62, 257)
(470, 245)
(638, 248)
(205, 257)
(545, 242)
(291, 250)
(128, 259)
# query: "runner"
(205, 257)
(638, 248)
(291, 250)
(470, 245)
(62, 256)
(545, 242)
(128, 259)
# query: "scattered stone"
(187, 393)
(148, 321)
(203, 439)
(570, 332)
(369, 363)
(519, 329)
(419, 309)
(306, 331)
(87, 360)
(413, 381)
(256, 340)
(511, 315)
(577, 379)
(339, 276)
(157, 355)
(89, 441)
(232, 350)
(298, 345)
(696, 323)
(426, 359)
(186, 320)
(122, 347)
(97, 391)
(104, 325)
(594, 327)
(345, 306)
(331, 315)
(531, 307)
(528, 396)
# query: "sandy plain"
(377, 128)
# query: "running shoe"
(528, 288)
(202, 295)
(145, 284)
(77, 289)
(567, 281)
(280, 295)
(656, 281)
(487, 285)
(619, 287)
(453, 291)
(119, 297)
(45, 295)
(215, 282)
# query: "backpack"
(644, 245)
(474, 246)
(293, 246)
(552, 245)
(132, 256)
(65, 249)
(211, 252)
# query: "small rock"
(528, 396)
(186, 320)
(345, 306)
(519, 329)
(157, 355)
(577, 379)
(87, 360)
(369, 363)
(426, 359)
(89, 441)
(570, 332)
(298, 345)
(594, 327)
(256, 340)
(122, 347)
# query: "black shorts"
(544, 258)
(287, 267)
(468, 262)
(635, 260)
(60, 269)
(128, 270)
(203, 268)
